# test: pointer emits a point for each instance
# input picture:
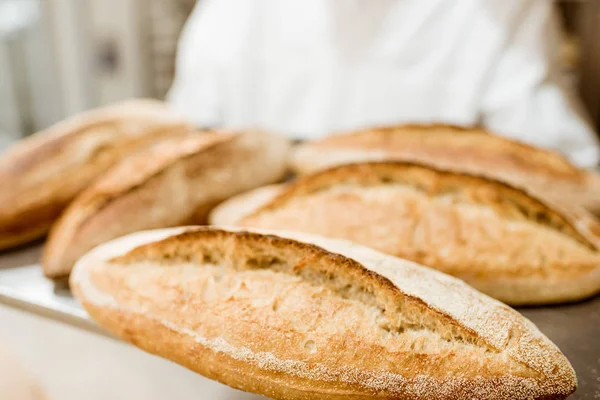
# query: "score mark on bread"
(293, 316)
(499, 239)
(468, 150)
(176, 182)
(41, 174)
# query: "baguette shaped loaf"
(473, 151)
(41, 174)
(173, 183)
(291, 316)
(504, 242)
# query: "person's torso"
(317, 66)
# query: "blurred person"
(314, 67)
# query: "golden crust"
(512, 246)
(233, 210)
(293, 316)
(186, 178)
(44, 172)
(469, 150)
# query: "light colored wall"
(9, 123)
(64, 74)
(29, 94)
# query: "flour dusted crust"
(469, 150)
(293, 316)
(41, 174)
(173, 183)
(504, 242)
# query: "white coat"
(309, 68)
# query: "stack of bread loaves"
(324, 287)
(505, 217)
(122, 168)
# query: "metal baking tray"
(575, 328)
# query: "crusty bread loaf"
(41, 174)
(236, 208)
(173, 183)
(292, 316)
(499, 239)
(473, 151)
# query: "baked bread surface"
(175, 182)
(469, 150)
(42, 173)
(236, 208)
(293, 316)
(499, 239)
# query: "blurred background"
(59, 57)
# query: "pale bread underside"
(498, 238)
(235, 209)
(280, 317)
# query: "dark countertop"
(575, 328)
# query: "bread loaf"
(504, 242)
(291, 316)
(41, 174)
(473, 151)
(173, 183)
